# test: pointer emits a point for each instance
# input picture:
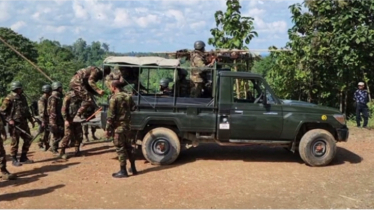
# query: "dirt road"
(208, 176)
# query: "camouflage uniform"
(15, 108)
(183, 85)
(197, 60)
(55, 118)
(44, 118)
(114, 75)
(118, 122)
(73, 131)
(4, 173)
(89, 112)
(83, 84)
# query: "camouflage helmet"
(56, 85)
(15, 85)
(182, 72)
(164, 82)
(46, 88)
(199, 45)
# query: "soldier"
(183, 85)
(44, 118)
(56, 121)
(198, 60)
(16, 112)
(164, 87)
(118, 124)
(90, 111)
(73, 130)
(83, 84)
(125, 75)
(5, 175)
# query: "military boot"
(133, 168)
(41, 147)
(122, 173)
(63, 154)
(54, 148)
(77, 152)
(46, 147)
(24, 159)
(87, 139)
(5, 175)
(15, 161)
(94, 137)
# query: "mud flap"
(103, 119)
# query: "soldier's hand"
(67, 123)
(4, 134)
(11, 122)
(100, 92)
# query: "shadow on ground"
(29, 193)
(211, 151)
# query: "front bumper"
(342, 134)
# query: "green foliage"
(10, 62)
(232, 30)
(263, 65)
(331, 46)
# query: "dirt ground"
(208, 176)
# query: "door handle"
(238, 111)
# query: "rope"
(12, 48)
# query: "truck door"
(250, 118)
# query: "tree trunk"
(237, 81)
(341, 101)
(345, 102)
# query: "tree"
(10, 62)
(331, 46)
(233, 31)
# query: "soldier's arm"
(52, 108)
(111, 113)
(4, 109)
(41, 109)
(92, 82)
(132, 104)
(65, 108)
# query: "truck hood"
(307, 107)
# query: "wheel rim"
(319, 148)
(160, 146)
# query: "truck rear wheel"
(317, 147)
(161, 146)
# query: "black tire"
(308, 143)
(161, 136)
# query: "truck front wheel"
(317, 147)
(161, 146)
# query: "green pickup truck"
(242, 110)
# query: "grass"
(352, 122)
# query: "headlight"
(340, 118)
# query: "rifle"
(20, 129)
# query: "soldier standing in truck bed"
(44, 118)
(183, 84)
(16, 112)
(82, 82)
(198, 60)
